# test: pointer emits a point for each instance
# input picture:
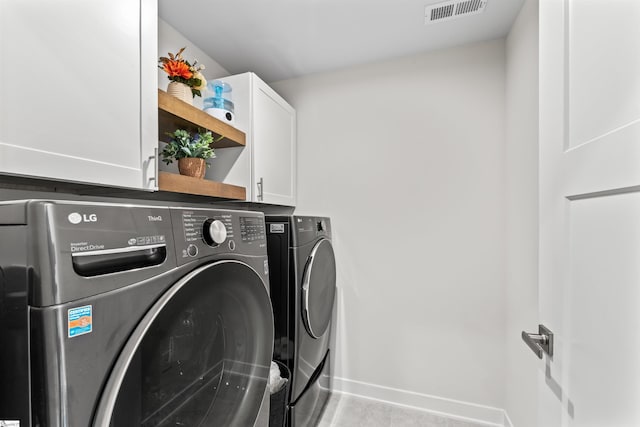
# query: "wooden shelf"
(188, 185)
(175, 114)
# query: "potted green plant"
(191, 152)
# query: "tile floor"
(350, 411)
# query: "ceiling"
(282, 39)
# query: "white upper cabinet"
(78, 91)
(270, 156)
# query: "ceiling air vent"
(452, 9)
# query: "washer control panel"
(251, 228)
(204, 232)
(205, 225)
(214, 232)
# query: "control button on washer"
(232, 245)
(192, 250)
(214, 232)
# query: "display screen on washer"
(251, 228)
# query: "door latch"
(540, 342)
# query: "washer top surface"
(79, 249)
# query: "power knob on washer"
(214, 232)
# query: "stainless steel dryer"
(120, 315)
(303, 286)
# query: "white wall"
(407, 157)
(522, 214)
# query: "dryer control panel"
(307, 229)
(204, 232)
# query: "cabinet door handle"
(260, 184)
(155, 158)
(157, 162)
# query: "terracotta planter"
(190, 166)
(180, 91)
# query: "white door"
(274, 145)
(589, 289)
(72, 79)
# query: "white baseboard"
(486, 415)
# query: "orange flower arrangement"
(180, 70)
(175, 68)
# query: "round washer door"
(319, 288)
(200, 356)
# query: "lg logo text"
(76, 218)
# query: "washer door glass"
(200, 357)
(319, 288)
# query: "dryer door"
(200, 356)
(319, 288)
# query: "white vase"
(180, 91)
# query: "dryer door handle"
(305, 298)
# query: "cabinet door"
(70, 90)
(274, 147)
